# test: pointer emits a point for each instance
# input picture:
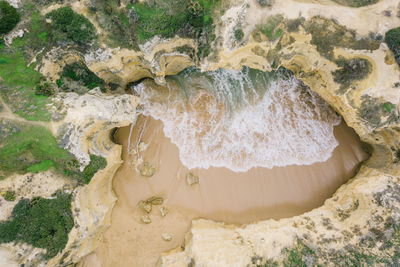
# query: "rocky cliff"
(336, 50)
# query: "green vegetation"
(356, 3)
(264, 3)
(327, 34)
(19, 88)
(9, 195)
(40, 167)
(378, 112)
(292, 25)
(355, 69)
(239, 35)
(96, 163)
(27, 148)
(270, 28)
(43, 223)
(192, 19)
(34, 149)
(118, 22)
(388, 106)
(9, 17)
(84, 79)
(301, 255)
(124, 19)
(69, 26)
(392, 38)
(45, 89)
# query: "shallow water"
(203, 133)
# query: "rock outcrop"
(335, 50)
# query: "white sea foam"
(242, 119)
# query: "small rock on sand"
(164, 210)
(192, 179)
(142, 146)
(166, 237)
(145, 206)
(155, 200)
(145, 219)
(147, 170)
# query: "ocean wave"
(241, 119)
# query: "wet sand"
(221, 194)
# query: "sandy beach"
(221, 194)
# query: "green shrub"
(9, 195)
(96, 163)
(79, 72)
(264, 3)
(351, 70)
(239, 35)
(9, 17)
(69, 26)
(43, 223)
(392, 38)
(356, 3)
(44, 89)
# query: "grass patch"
(19, 91)
(35, 149)
(32, 148)
(124, 19)
(42, 166)
(43, 223)
(20, 80)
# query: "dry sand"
(221, 195)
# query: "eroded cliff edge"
(336, 50)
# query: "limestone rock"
(155, 200)
(145, 206)
(192, 179)
(148, 170)
(164, 210)
(166, 237)
(145, 219)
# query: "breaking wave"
(241, 119)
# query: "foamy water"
(241, 119)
